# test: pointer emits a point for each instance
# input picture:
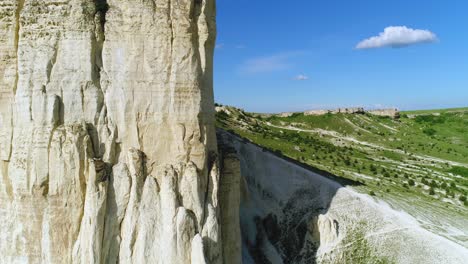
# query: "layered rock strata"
(107, 145)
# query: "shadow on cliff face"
(283, 205)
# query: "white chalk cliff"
(107, 144)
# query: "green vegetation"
(462, 171)
(358, 250)
(432, 111)
(416, 161)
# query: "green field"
(435, 111)
(417, 163)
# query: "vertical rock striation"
(107, 144)
(230, 189)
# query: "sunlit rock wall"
(107, 145)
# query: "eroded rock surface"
(107, 144)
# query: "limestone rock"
(230, 191)
(88, 247)
(389, 112)
(197, 255)
(108, 150)
(148, 240)
(325, 230)
(9, 27)
(117, 202)
(351, 110)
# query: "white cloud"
(396, 37)
(276, 62)
(219, 46)
(301, 77)
(240, 46)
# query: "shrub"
(411, 182)
(431, 191)
(372, 193)
(429, 131)
(462, 171)
(431, 119)
(347, 162)
(222, 115)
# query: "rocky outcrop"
(390, 112)
(352, 110)
(107, 144)
(286, 114)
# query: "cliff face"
(107, 144)
(291, 214)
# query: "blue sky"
(275, 56)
